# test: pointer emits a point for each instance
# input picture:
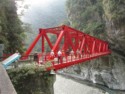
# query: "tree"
(12, 33)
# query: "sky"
(21, 4)
(42, 13)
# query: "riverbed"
(72, 84)
(68, 86)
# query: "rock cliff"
(108, 70)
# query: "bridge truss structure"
(76, 47)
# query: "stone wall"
(32, 80)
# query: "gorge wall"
(104, 19)
(32, 80)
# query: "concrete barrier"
(6, 87)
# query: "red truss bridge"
(68, 47)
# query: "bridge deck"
(72, 60)
(6, 86)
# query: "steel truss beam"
(70, 39)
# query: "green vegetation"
(31, 79)
(115, 11)
(90, 15)
(11, 32)
(86, 15)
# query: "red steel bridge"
(75, 47)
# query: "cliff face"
(108, 70)
(32, 80)
(114, 16)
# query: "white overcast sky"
(41, 3)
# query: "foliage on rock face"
(115, 11)
(31, 80)
(86, 15)
(89, 15)
(11, 32)
(112, 13)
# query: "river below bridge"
(68, 85)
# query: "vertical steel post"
(82, 44)
(93, 47)
(43, 44)
(100, 45)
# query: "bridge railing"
(43, 58)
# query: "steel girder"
(68, 38)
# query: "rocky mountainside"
(104, 19)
